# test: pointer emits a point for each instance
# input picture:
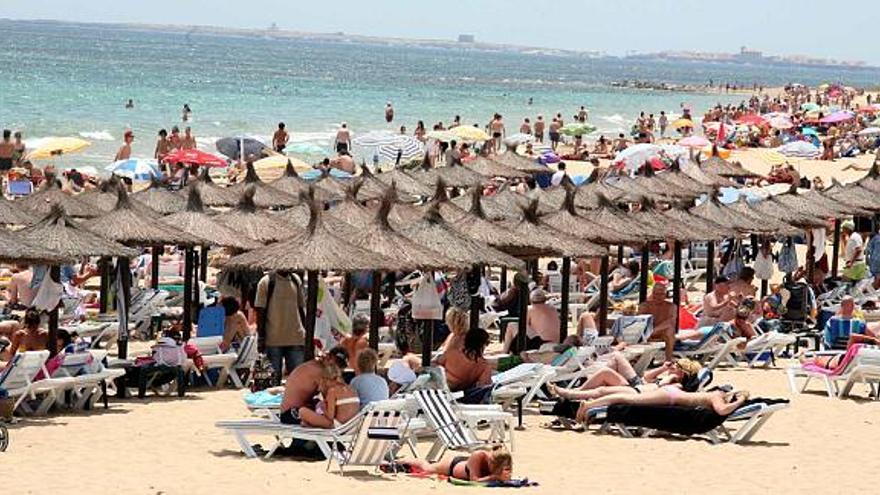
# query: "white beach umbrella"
(799, 149)
(870, 131)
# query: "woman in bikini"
(608, 381)
(340, 404)
(482, 466)
(723, 403)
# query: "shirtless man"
(542, 323)
(539, 129)
(189, 141)
(163, 146)
(555, 125)
(664, 314)
(343, 138)
(344, 162)
(497, 128)
(7, 150)
(174, 139)
(621, 143)
(389, 112)
(302, 383)
(526, 127)
(280, 138)
(583, 114)
(124, 152)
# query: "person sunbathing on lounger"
(482, 466)
(623, 380)
(723, 403)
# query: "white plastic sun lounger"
(863, 368)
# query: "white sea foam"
(97, 135)
(614, 119)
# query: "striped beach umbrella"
(402, 151)
(799, 149)
(374, 139)
(137, 169)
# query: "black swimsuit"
(455, 462)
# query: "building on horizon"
(466, 38)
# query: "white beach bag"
(426, 304)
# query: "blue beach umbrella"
(809, 131)
(313, 175)
(137, 169)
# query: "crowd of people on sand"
(348, 374)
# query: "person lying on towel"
(481, 466)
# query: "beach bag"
(458, 293)
(167, 352)
(330, 317)
(426, 304)
(735, 264)
(788, 262)
(763, 266)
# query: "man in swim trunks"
(7, 150)
(555, 125)
(280, 138)
(343, 139)
(539, 129)
(497, 128)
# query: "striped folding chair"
(452, 432)
(380, 434)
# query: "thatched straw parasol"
(104, 197)
(503, 205)
(662, 226)
(654, 187)
(490, 168)
(293, 185)
(819, 197)
(773, 208)
(194, 220)
(41, 202)
(128, 226)
(159, 199)
(405, 254)
(700, 174)
(257, 225)
(524, 164)
(316, 248)
(853, 195)
(15, 249)
(570, 221)
(724, 168)
(265, 196)
(747, 216)
(211, 193)
(434, 231)
(453, 175)
(677, 179)
(335, 187)
(700, 229)
(607, 215)
(476, 225)
(12, 214)
(871, 181)
(406, 183)
(553, 241)
(58, 234)
(371, 188)
(818, 206)
(349, 210)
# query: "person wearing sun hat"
(542, 324)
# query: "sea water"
(60, 79)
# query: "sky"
(786, 27)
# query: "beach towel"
(512, 483)
(841, 366)
(263, 399)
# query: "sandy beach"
(170, 446)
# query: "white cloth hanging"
(48, 295)
(818, 243)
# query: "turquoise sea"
(61, 79)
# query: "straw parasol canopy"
(104, 197)
(254, 224)
(760, 224)
(854, 195)
(58, 234)
(370, 189)
(490, 168)
(518, 162)
(819, 197)
(713, 211)
(194, 220)
(656, 187)
(453, 175)
(503, 205)
(818, 206)
(700, 174)
(12, 214)
(717, 165)
(333, 186)
(871, 181)
(555, 242)
(265, 196)
(159, 199)
(678, 179)
(434, 231)
(128, 226)
(41, 202)
(292, 184)
(211, 193)
(773, 208)
(406, 183)
(700, 228)
(315, 248)
(570, 221)
(349, 210)
(607, 215)
(665, 227)
(405, 254)
(15, 249)
(476, 225)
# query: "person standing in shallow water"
(280, 138)
(124, 152)
(389, 112)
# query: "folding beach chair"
(19, 188)
(378, 437)
(635, 329)
(452, 432)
